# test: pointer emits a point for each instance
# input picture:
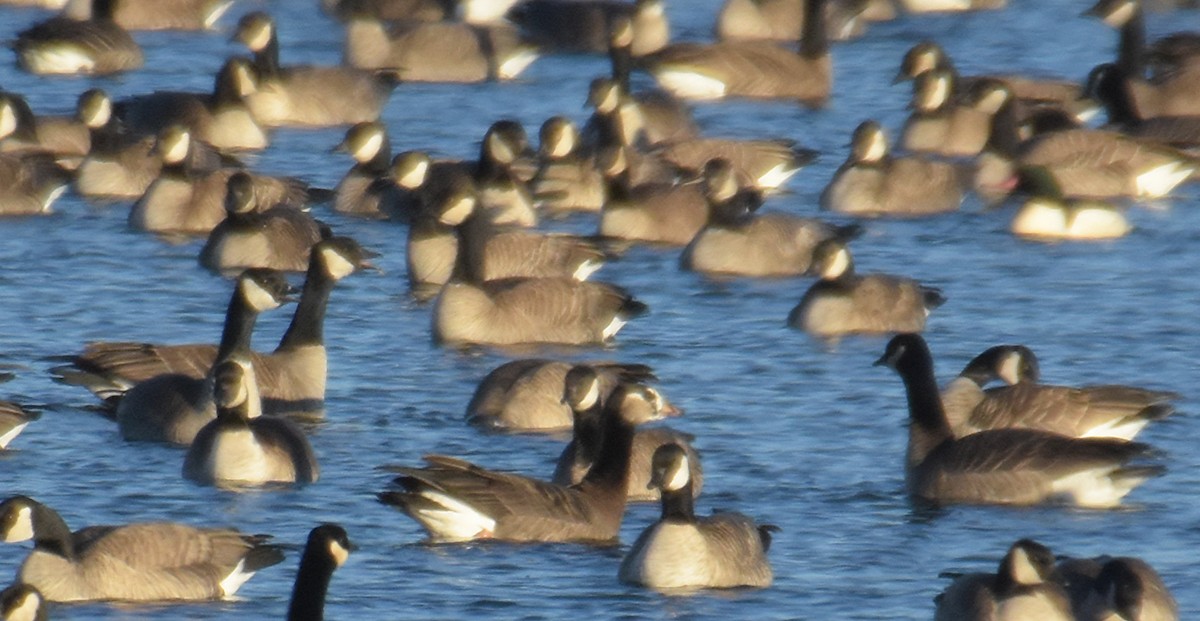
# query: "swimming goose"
(409, 172)
(761, 164)
(1021, 589)
(754, 69)
(587, 439)
(1124, 587)
(21, 602)
(663, 118)
(680, 550)
(240, 446)
(391, 10)
(1049, 216)
(66, 138)
(872, 182)
(220, 118)
(526, 395)
(433, 245)
(29, 184)
(1104, 411)
(501, 185)
(291, 379)
(566, 180)
(278, 237)
(617, 122)
(147, 561)
(13, 420)
(843, 302)
(584, 26)
(307, 95)
(445, 51)
(737, 242)
(783, 20)
(63, 46)
(942, 126)
(327, 549)
(658, 213)
(163, 14)
(172, 407)
(1003, 466)
(365, 189)
(1108, 85)
(455, 500)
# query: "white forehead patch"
(258, 298)
(8, 120)
(837, 265)
(338, 553)
(677, 475)
(22, 528)
(337, 265)
(1010, 368)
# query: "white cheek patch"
(1121, 15)
(940, 92)
(176, 150)
(369, 148)
(101, 114)
(26, 610)
(593, 395)
(1010, 368)
(877, 148)
(336, 264)
(992, 101)
(678, 476)
(564, 143)
(838, 265)
(415, 178)
(338, 553)
(258, 298)
(499, 149)
(459, 211)
(1023, 570)
(22, 528)
(260, 38)
(514, 65)
(8, 120)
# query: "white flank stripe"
(456, 521)
(688, 84)
(12, 433)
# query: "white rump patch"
(1124, 428)
(777, 176)
(454, 520)
(688, 84)
(515, 64)
(10, 434)
(613, 327)
(59, 59)
(1094, 488)
(216, 13)
(22, 528)
(1159, 181)
(586, 269)
(236, 578)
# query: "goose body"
(566, 179)
(681, 550)
(457, 501)
(438, 51)
(575, 461)
(1124, 587)
(150, 561)
(940, 125)
(1005, 466)
(365, 189)
(13, 420)
(1022, 588)
(277, 238)
(765, 245)
(65, 46)
(761, 164)
(65, 138)
(584, 26)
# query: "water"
(792, 432)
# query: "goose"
(753, 69)
(617, 122)
(291, 379)
(502, 187)
(307, 95)
(657, 213)
(566, 180)
(29, 184)
(1003, 466)
(66, 138)
(65, 46)
(365, 189)
(278, 238)
(843, 302)
(950, 6)
(445, 51)
(663, 117)
(433, 245)
(939, 125)
(456, 501)
(1022, 588)
(146, 561)
(172, 407)
(872, 182)
(760, 164)
(187, 201)
(327, 549)
(13, 420)
(736, 242)
(1108, 85)
(166, 15)
(1104, 411)
(391, 10)
(1049, 216)
(1116, 588)
(584, 26)
(526, 395)
(220, 118)
(680, 550)
(410, 171)
(21, 602)
(240, 446)
(587, 440)
(783, 20)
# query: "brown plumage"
(437, 51)
(575, 461)
(277, 237)
(92, 46)
(1021, 589)
(1122, 587)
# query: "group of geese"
(642, 169)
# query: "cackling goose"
(21, 602)
(366, 190)
(13, 420)
(783, 20)
(942, 126)
(680, 550)
(327, 549)
(584, 26)
(65, 138)
(1021, 589)
(663, 118)
(278, 237)
(1123, 587)
(656, 213)
(62, 45)
(566, 180)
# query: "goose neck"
(239, 325)
(308, 322)
(678, 505)
(312, 583)
(1131, 51)
(814, 42)
(50, 532)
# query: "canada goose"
(783, 20)
(118, 164)
(365, 190)
(190, 201)
(21, 602)
(242, 447)
(1107, 83)
(503, 190)
(872, 182)
(1022, 588)
(579, 455)
(950, 6)
(157, 14)
(29, 184)
(843, 302)
(762, 164)
(434, 245)
(66, 138)
(220, 118)
(391, 10)
(13, 420)
(663, 117)
(327, 549)
(148, 561)
(566, 180)
(455, 500)
(291, 379)
(172, 407)
(658, 213)
(305, 94)
(575, 26)
(1048, 216)
(755, 69)
(1116, 588)
(437, 51)
(278, 237)
(940, 125)
(1066, 95)
(527, 395)
(1003, 466)
(1104, 411)
(680, 550)
(737, 242)
(94, 46)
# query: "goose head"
(255, 31)
(410, 169)
(239, 194)
(94, 108)
(364, 141)
(869, 143)
(263, 289)
(342, 256)
(557, 138)
(669, 469)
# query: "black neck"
(679, 505)
(589, 436)
(308, 322)
(312, 583)
(102, 10)
(239, 325)
(928, 426)
(1131, 51)
(813, 41)
(234, 417)
(611, 468)
(1114, 94)
(621, 57)
(618, 186)
(1004, 139)
(225, 89)
(50, 532)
